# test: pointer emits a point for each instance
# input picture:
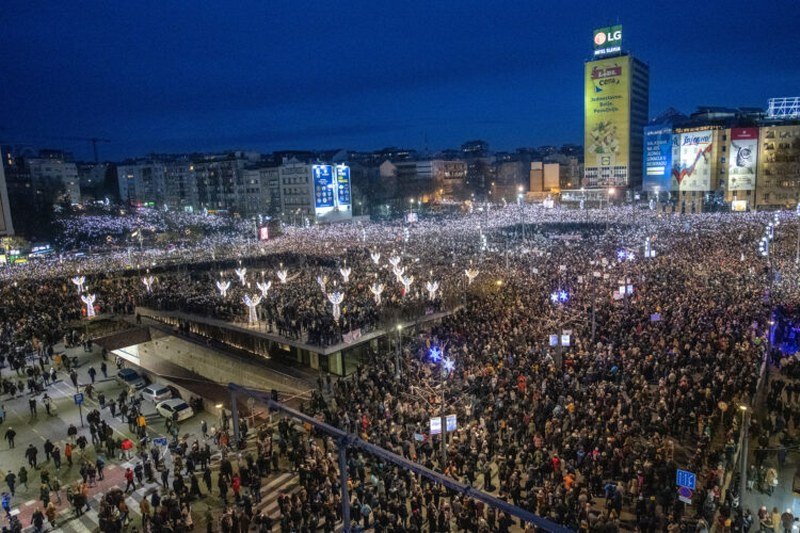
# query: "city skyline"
(362, 76)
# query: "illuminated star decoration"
(448, 365)
(435, 354)
(559, 297)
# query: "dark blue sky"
(181, 75)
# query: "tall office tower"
(616, 106)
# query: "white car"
(156, 393)
(168, 408)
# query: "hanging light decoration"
(407, 281)
(89, 299)
(148, 282)
(251, 302)
(336, 298)
(322, 281)
(377, 290)
(241, 272)
(432, 287)
(223, 286)
(264, 287)
(79, 281)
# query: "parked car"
(167, 408)
(131, 378)
(156, 393)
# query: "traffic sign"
(78, 398)
(686, 479)
(436, 425)
(160, 441)
(685, 494)
(451, 422)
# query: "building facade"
(55, 172)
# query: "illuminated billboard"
(323, 186)
(657, 158)
(343, 186)
(607, 87)
(742, 162)
(691, 167)
(607, 40)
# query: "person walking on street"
(32, 407)
(73, 376)
(92, 373)
(30, 454)
(11, 481)
(104, 369)
(22, 476)
(10, 434)
(68, 453)
(130, 485)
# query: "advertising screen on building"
(691, 167)
(742, 162)
(323, 186)
(607, 40)
(343, 185)
(657, 158)
(607, 122)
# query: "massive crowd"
(588, 434)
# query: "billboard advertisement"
(607, 40)
(657, 158)
(323, 185)
(343, 185)
(742, 162)
(691, 167)
(607, 122)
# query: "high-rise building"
(616, 106)
(6, 227)
(53, 170)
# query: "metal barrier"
(344, 439)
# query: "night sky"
(179, 76)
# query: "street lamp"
(446, 366)
(743, 455)
(397, 351)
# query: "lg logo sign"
(603, 37)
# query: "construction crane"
(92, 140)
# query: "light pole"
(446, 366)
(743, 463)
(520, 196)
(611, 192)
(397, 351)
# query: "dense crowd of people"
(586, 431)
